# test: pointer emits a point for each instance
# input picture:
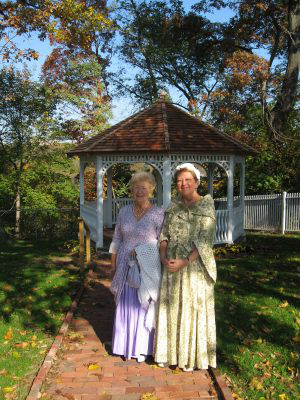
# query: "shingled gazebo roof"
(162, 128)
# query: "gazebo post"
(167, 181)
(230, 200)
(109, 197)
(210, 176)
(242, 189)
(159, 187)
(82, 166)
(99, 209)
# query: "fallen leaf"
(9, 334)
(268, 364)
(283, 396)
(3, 372)
(266, 375)
(236, 396)
(149, 396)
(21, 345)
(256, 384)
(8, 389)
(284, 304)
(92, 367)
(75, 336)
(296, 339)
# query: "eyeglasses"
(180, 181)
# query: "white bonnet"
(190, 167)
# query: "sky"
(121, 108)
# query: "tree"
(167, 48)
(25, 118)
(68, 22)
(215, 66)
(273, 26)
(76, 83)
(78, 30)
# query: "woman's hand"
(133, 254)
(176, 264)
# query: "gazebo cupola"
(163, 136)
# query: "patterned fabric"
(150, 267)
(129, 233)
(186, 332)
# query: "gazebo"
(163, 136)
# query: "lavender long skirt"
(130, 337)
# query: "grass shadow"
(257, 311)
(33, 288)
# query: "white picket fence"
(274, 212)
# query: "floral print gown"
(186, 332)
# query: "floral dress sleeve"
(204, 227)
(117, 238)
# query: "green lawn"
(37, 282)
(258, 317)
(257, 308)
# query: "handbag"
(133, 275)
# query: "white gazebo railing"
(222, 226)
(88, 212)
(117, 204)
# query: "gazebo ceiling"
(162, 128)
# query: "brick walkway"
(86, 370)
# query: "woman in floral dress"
(138, 223)
(186, 333)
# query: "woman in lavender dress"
(137, 223)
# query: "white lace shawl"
(148, 292)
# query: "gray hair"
(143, 177)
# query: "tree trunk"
(288, 95)
(18, 213)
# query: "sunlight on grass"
(35, 294)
